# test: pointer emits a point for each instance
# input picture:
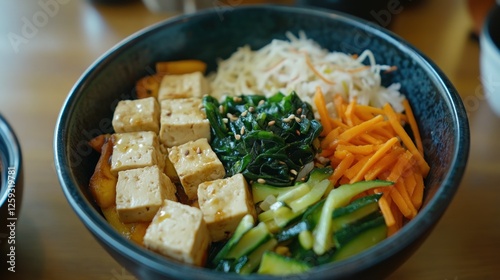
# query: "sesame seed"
(271, 123)
(297, 132)
(244, 114)
(198, 150)
(242, 130)
(299, 111)
(281, 162)
(287, 120)
(293, 171)
(237, 99)
(261, 181)
(237, 136)
(303, 116)
(221, 109)
(225, 120)
(262, 102)
(231, 117)
(251, 109)
(186, 152)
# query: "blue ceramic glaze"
(11, 170)
(213, 34)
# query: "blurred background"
(46, 45)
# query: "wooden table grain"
(46, 45)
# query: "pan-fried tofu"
(183, 86)
(137, 115)
(195, 162)
(135, 150)
(140, 193)
(182, 120)
(178, 231)
(224, 202)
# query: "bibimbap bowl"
(213, 34)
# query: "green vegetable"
(338, 197)
(245, 225)
(354, 239)
(355, 211)
(292, 202)
(276, 264)
(269, 139)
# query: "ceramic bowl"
(212, 34)
(11, 185)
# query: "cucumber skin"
(275, 264)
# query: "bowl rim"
(427, 218)
(10, 157)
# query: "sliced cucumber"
(254, 258)
(276, 264)
(338, 197)
(250, 241)
(314, 195)
(345, 235)
(245, 225)
(355, 211)
(360, 239)
(261, 191)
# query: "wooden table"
(43, 53)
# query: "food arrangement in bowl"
(275, 152)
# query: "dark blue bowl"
(213, 34)
(11, 185)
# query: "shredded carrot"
(373, 159)
(342, 168)
(319, 101)
(395, 123)
(370, 143)
(414, 127)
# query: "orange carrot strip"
(338, 101)
(418, 193)
(362, 150)
(400, 202)
(319, 101)
(351, 172)
(373, 159)
(410, 183)
(384, 164)
(330, 137)
(404, 162)
(360, 128)
(349, 112)
(370, 139)
(413, 125)
(393, 119)
(341, 168)
(398, 218)
(385, 208)
(400, 186)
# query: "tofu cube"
(135, 150)
(224, 202)
(182, 120)
(195, 162)
(183, 86)
(140, 193)
(137, 115)
(178, 231)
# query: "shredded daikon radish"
(299, 64)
